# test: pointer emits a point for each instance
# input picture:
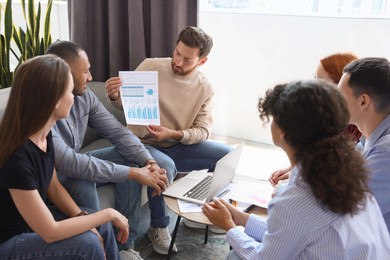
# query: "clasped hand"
(153, 176)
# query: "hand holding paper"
(139, 95)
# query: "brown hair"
(313, 115)
(335, 63)
(38, 85)
(195, 37)
(371, 75)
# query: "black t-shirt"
(28, 168)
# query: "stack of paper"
(256, 192)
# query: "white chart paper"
(139, 95)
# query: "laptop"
(200, 187)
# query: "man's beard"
(178, 71)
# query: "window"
(261, 43)
(359, 8)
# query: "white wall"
(253, 52)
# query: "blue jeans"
(203, 155)
(127, 194)
(83, 246)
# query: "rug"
(189, 241)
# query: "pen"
(233, 202)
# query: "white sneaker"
(161, 239)
(192, 224)
(130, 254)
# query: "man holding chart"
(185, 103)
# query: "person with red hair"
(330, 68)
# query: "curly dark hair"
(313, 115)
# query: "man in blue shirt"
(326, 210)
(366, 87)
(127, 164)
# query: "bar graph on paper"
(139, 95)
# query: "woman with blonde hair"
(30, 227)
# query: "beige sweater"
(185, 103)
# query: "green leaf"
(41, 49)
(31, 17)
(46, 33)
(3, 60)
(23, 3)
(17, 41)
(8, 25)
(37, 30)
(29, 51)
(29, 43)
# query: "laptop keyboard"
(200, 190)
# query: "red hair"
(335, 63)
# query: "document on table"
(188, 207)
(256, 192)
(139, 95)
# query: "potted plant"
(29, 41)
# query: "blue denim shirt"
(376, 151)
(68, 136)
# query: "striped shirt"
(376, 151)
(299, 227)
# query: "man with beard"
(186, 100)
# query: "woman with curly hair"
(330, 68)
(326, 210)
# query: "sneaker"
(161, 239)
(130, 254)
(214, 229)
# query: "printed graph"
(140, 102)
(142, 113)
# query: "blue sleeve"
(68, 134)
(282, 237)
(378, 163)
(86, 167)
(127, 143)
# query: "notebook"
(200, 187)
